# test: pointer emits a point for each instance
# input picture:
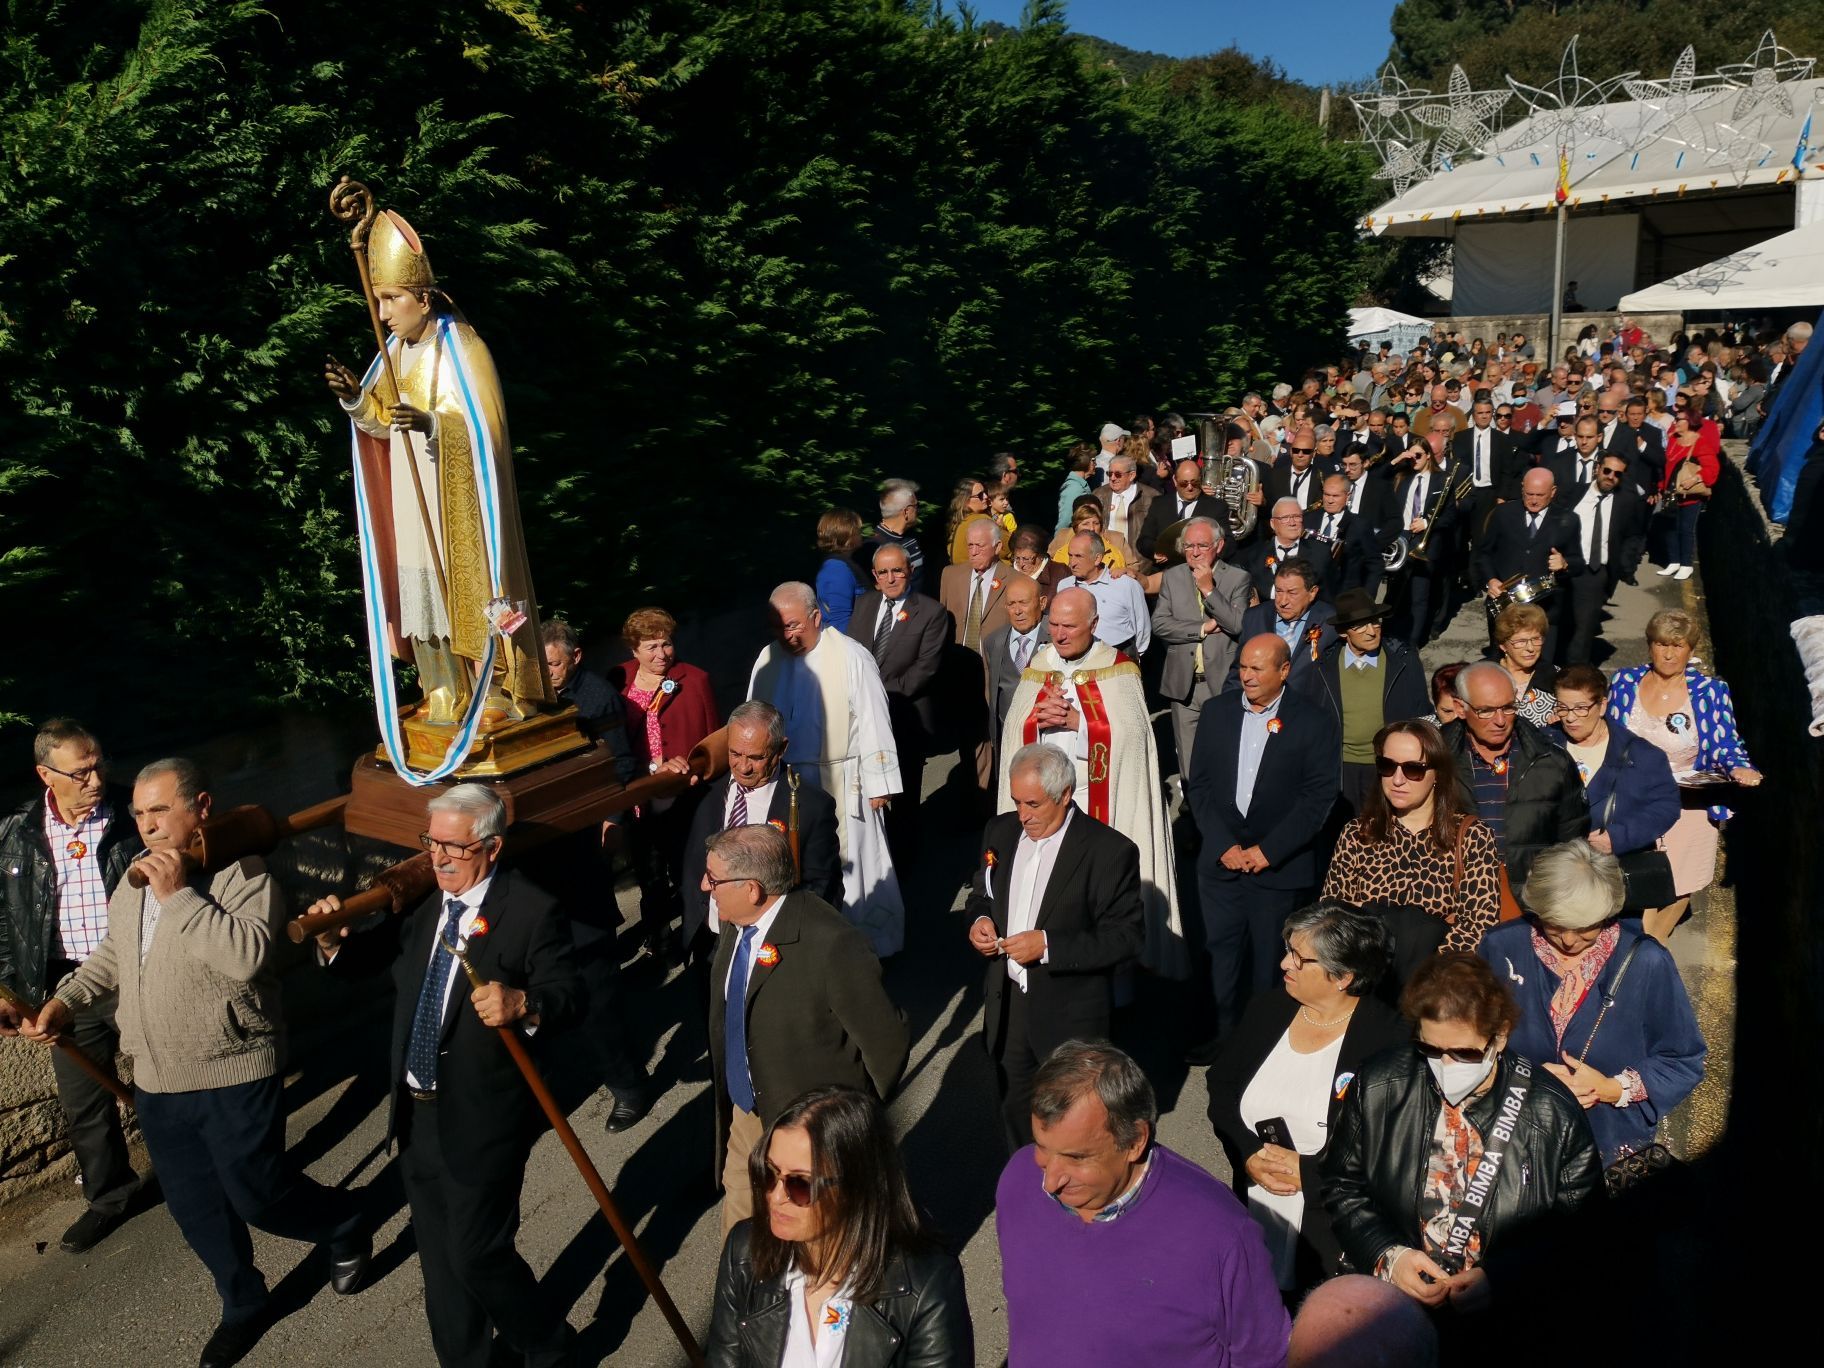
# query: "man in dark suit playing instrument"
(1263, 778)
(809, 1010)
(1185, 500)
(1494, 464)
(1296, 476)
(1349, 540)
(1369, 498)
(907, 632)
(462, 1114)
(1285, 541)
(1011, 649)
(1056, 907)
(758, 789)
(1529, 538)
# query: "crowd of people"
(1425, 911)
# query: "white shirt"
(759, 803)
(1301, 485)
(1586, 518)
(1355, 495)
(1119, 502)
(1295, 1088)
(1327, 527)
(826, 1350)
(471, 901)
(1032, 865)
(887, 606)
(1416, 493)
(1482, 445)
(757, 942)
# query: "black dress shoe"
(91, 1228)
(231, 1342)
(628, 1112)
(348, 1269)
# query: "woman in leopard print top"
(1403, 850)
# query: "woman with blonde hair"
(968, 501)
(1087, 517)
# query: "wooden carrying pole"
(101, 1075)
(352, 203)
(591, 1176)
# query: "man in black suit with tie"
(1369, 498)
(1055, 906)
(462, 1114)
(1286, 540)
(1348, 539)
(1295, 475)
(1262, 782)
(1494, 464)
(908, 633)
(1531, 537)
(1574, 470)
(1010, 649)
(1641, 445)
(1292, 613)
(1186, 500)
(811, 1011)
(758, 788)
(1556, 438)
(1612, 534)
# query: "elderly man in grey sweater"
(189, 957)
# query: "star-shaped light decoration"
(1743, 147)
(1764, 78)
(1713, 276)
(1383, 108)
(1568, 111)
(1680, 98)
(1401, 164)
(1466, 123)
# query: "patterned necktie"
(1023, 653)
(737, 812)
(427, 1021)
(972, 622)
(884, 628)
(734, 1027)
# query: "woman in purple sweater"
(1115, 1250)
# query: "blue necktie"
(427, 1021)
(734, 1026)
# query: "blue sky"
(1320, 41)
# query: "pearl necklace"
(1310, 1020)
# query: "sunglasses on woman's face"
(1414, 770)
(1455, 1056)
(798, 1188)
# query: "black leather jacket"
(1375, 1168)
(1546, 805)
(28, 885)
(921, 1320)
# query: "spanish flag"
(1563, 192)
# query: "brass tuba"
(1229, 478)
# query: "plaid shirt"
(82, 896)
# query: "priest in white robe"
(1084, 697)
(828, 687)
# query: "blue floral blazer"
(1719, 746)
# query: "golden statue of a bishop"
(443, 556)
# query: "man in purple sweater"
(1118, 1251)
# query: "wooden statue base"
(508, 749)
(547, 800)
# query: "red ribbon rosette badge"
(768, 956)
(901, 615)
(1312, 637)
(661, 696)
(76, 849)
(994, 586)
(777, 825)
(480, 928)
(1275, 727)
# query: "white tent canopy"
(1366, 322)
(1638, 151)
(1783, 271)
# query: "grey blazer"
(1178, 621)
(1003, 678)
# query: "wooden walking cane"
(585, 1166)
(352, 203)
(103, 1076)
(791, 824)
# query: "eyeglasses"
(1455, 1055)
(454, 850)
(1575, 709)
(800, 1189)
(1298, 961)
(80, 776)
(1614, 470)
(1305, 450)
(1414, 770)
(1505, 709)
(715, 883)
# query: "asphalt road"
(141, 1298)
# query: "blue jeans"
(1687, 533)
(220, 1157)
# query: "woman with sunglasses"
(836, 1269)
(968, 501)
(1416, 844)
(1693, 466)
(1284, 1062)
(1570, 956)
(1455, 1115)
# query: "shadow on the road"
(954, 1152)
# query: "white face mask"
(1457, 1081)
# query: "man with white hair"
(1110, 439)
(898, 526)
(1045, 862)
(828, 689)
(1125, 501)
(1081, 696)
(1796, 339)
(461, 1113)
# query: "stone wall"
(1659, 327)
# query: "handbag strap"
(1608, 998)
